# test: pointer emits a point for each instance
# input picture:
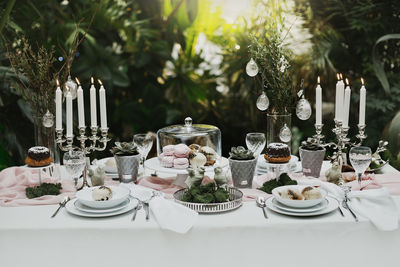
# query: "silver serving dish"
(235, 201)
(188, 133)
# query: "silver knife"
(147, 209)
(61, 205)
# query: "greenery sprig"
(274, 61)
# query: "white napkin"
(168, 214)
(375, 204)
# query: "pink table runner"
(14, 180)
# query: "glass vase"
(44, 135)
(276, 126)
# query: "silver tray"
(235, 201)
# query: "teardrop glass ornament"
(262, 102)
(303, 109)
(70, 86)
(252, 68)
(48, 119)
(285, 134)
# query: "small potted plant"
(127, 159)
(311, 156)
(243, 165)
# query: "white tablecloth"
(28, 237)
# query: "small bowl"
(297, 203)
(109, 165)
(119, 195)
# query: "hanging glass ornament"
(262, 101)
(303, 109)
(252, 68)
(70, 86)
(285, 134)
(48, 119)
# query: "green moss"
(43, 189)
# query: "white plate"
(154, 164)
(119, 195)
(108, 168)
(317, 207)
(39, 168)
(262, 163)
(81, 207)
(70, 207)
(332, 205)
(297, 203)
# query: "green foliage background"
(129, 46)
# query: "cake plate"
(181, 174)
(50, 167)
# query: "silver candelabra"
(96, 143)
(342, 140)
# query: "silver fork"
(146, 204)
(345, 203)
(61, 205)
(138, 207)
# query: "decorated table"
(236, 238)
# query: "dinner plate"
(70, 207)
(82, 207)
(119, 195)
(317, 207)
(332, 205)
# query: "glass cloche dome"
(200, 134)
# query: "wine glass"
(255, 142)
(144, 142)
(360, 158)
(74, 162)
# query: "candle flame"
(99, 81)
(362, 81)
(318, 80)
(347, 82)
(92, 80)
(58, 83)
(341, 76)
(338, 76)
(77, 81)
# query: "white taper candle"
(363, 96)
(318, 104)
(103, 109)
(69, 114)
(93, 107)
(58, 107)
(346, 109)
(81, 107)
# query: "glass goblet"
(144, 142)
(74, 162)
(255, 142)
(360, 158)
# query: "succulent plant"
(240, 153)
(310, 145)
(124, 149)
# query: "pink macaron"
(181, 151)
(161, 156)
(181, 163)
(168, 150)
(167, 161)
